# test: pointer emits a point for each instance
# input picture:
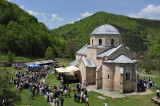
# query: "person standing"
(47, 96)
(65, 91)
(87, 103)
(105, 104)
(78, 96)
(75, 97)
(68, 92)
(57, 100)
(62, 101)
(51, 95)
(157, 92)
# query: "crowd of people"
(144, 84)
(32, 80)
(63, 91)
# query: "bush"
(10, 57)
(49, 54)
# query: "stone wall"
(118, 79)
(106, 39)
(130, 85)
(99, 78)
(108, 69)
(91, 75)
(82, 69)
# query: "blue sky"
(56, 13)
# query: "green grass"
(36, 101)
(61, 63)
(4, 58)
(65, 59)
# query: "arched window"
(100, 41)
(92, 42)
(112, 42)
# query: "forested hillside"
(23, 35)
(20, 32)
(135, 31)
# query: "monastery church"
(106, 62)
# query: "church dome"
(105, 29)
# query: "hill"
(20, 32)
(135, 31)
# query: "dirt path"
(147, 75)
(43, 80)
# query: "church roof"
(105, 29)
(99, 67)
(88, 62)
(108, 52)
(83, 50)
(74, 63)
(121, 59)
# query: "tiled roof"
(88, 62)
(74, 63)
(83, 50)
(105, 29)
(99, 67)
(108, 52)
(121, 59)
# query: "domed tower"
(106, 35)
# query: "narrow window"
(108, 77)
(100, 41)
(127, 76)
(92, 42)
(112, 42)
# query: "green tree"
(154, 50)
(71, 49)
(6, 92)
(10, 57)
(49, 54)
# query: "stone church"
(106, 62)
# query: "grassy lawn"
(36, 101)
(65, 59)
(61, 63)
(4, 58)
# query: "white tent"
(72, 68)
(69, 69)
(62, 70)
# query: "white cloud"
(86, 14)
(31, 12)
(8, 0)
(44, 18)
(149, 12)
(22, 7)
(56, 18)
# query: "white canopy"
(72, 68)
(62, 70)
(67, 69)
